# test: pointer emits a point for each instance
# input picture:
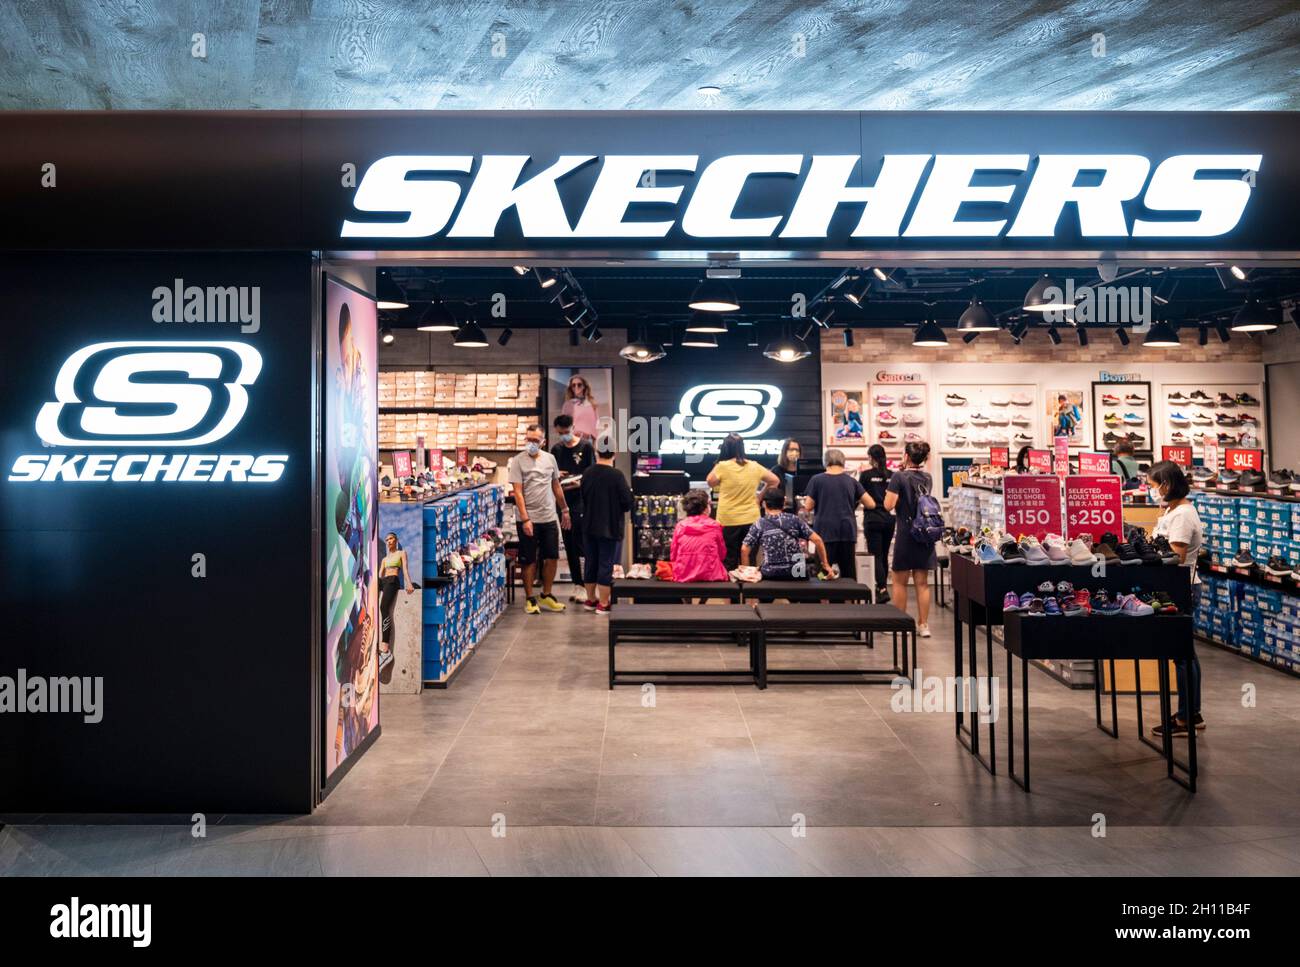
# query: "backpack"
(927, 523)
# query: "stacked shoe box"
(1275, 531)
(1215, 617)
(1223, 535)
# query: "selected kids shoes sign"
(1031, 504)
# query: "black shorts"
(545, 543)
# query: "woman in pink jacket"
(698, 547)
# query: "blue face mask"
(534, 448)
(566, 437)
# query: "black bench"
(806, 621)
(671, 623)
(650, 591)
(839, 591)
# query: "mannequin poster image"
(846, 418)
(1066, 415)
(352, 621)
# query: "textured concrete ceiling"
(641, 54)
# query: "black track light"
(1222, 332)
(520, 270)
(848, 338)
(504, 338)
(546, 277)
(859, 291)
(386, 335)
(1238, 272)
(752, 342)
(566, 299)
(969, 337)
(807, 331)
(575, 315)
(573, 337)
(1122, 333)
(1083, 336)
(1202, 336)
(823, 316)
(592, 333)
(1055, 336)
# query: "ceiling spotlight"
(520, 270)
(823, 316)
(1162, 335)
(699, 340)
(641, 350)
(592, 333)
(752, 341)
(977, 318)
(504, 338)
(848, 338)
(1038, 300)
(787, 350)
(1083, 336)
(1238, 272)
(970, 337)
(1055, 336)
(389, 294)
(546, 277)
(437, 318)
(1202, 336)
(930, 336)
(806, 333)
(1122, 333)
(1107, 269)
(714, 295)
(1018, 331)
(1253, 317)
(470, 336)
(387, 336)
(703, 322)
(565, 299)
(573, 318)
(881, 274)
(1227, 278)
(1164, 291)
(858, 291)
(1222, 331)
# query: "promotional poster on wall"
(586, 394)
(1067, 415)
(352, 622)
(846, 419)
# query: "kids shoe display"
(1046, 589)
(979, 419)
(1166, 553)
(1103, 603)
(1020, 419)
(1162, 603)
(886, 418)
(1054, 547)
(1202, 419)
(1180, 439)
(1083, 598)
(1070, 606)
(1033, 552)
(1112, 419)
(1133, 399)
(1135, 607)
(1011, 601)
(1022, 440)
(955, 440)
(912, 438)
(1051, 607)
(999, 399)
(1037, 608)
(1011, 552)
(1145, 552)
(1127, 555)
(1081, 554)
(956, 421)
(1226, 419)
(884, 399)
(912, 419)
(1247, 419)
(912, 399)
(986, 553)
(884, 436)
(1226, 399)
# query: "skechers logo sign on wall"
(1189, 195)
(709, 412)
(149, 394)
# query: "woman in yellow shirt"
(739, 483)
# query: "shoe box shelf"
(460, 607)
(1261, 623)
(1266, 526)
(487, 412)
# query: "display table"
(651, 591)
(1099, 638)
(978, 591)
(839, 591)
(813, 624)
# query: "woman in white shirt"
(1180, 524)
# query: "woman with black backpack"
(913, 546)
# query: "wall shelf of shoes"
(1230, 414)
(1124, 412)
(974, 417)
(900, 414)
(464, 578)
(484, 411)
(654, 518)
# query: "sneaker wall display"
(899, 414)
(974, 417)
(1229, 414)
(1122, 411)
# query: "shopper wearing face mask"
(786, 466)
(1180, 525)
(535, 478)
(573, 455)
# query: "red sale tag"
(1094, 464)
(402, 463)
(435, 459)
(462, 456)
(1179, 455)
(1093, 506)
(1000, 456)
(1031, 504)
(1040, 461)
(1062, 456)
(1236, 458)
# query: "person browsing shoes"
(535, 478)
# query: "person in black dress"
(573, 455)
(911, 559)
(878, 523)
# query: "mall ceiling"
(639, 54)
(622, 297)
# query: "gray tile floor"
(529, 764)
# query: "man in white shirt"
(535, 477)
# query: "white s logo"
(104, 395)
(716, 409)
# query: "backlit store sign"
(1202, 195)
(148, 394)
(710, 411)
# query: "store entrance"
(490, 705)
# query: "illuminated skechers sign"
(710, 411)
(1204, 196)
(173, 395)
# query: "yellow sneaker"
(548, 602)
(530, 606)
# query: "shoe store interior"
(1054, 505)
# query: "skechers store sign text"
(149, 394)
(1188, 195)
(708, 413)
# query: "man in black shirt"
(573, 455)
(607, 499)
